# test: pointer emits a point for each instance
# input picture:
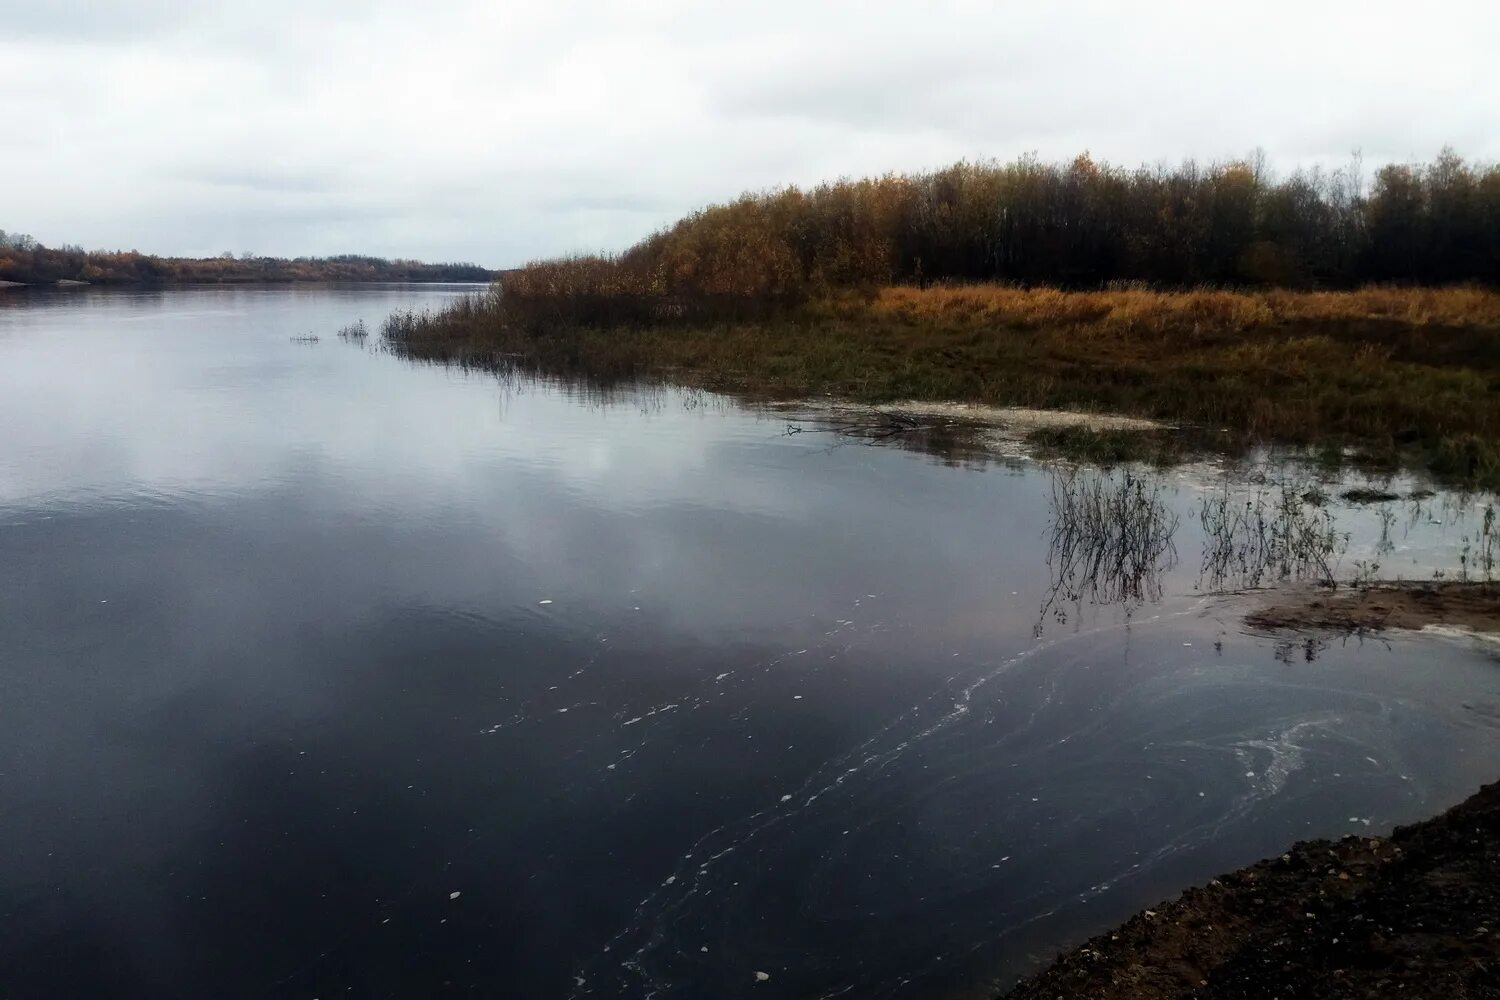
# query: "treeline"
(1083, 224)
(24, 260)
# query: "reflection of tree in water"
(1275, 533)
(1111, 540)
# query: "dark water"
(323, 674)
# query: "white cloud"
(503, 132)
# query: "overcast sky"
(498, 132)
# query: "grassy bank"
(1402, 374)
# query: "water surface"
(326, 674)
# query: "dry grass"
(1214, 310)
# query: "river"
(324, 673)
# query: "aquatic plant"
(1271, 535)
(356, 331)
(1111, 540)
(1476, 559)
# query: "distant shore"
(26, 262)
(160, 283)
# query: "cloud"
(505, 132)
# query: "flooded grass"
(1477, 560)
(1367, 494)
(355, 332)
(1110, 446)
(1378, 377)
(1273, 535)
(1111, 540)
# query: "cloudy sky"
(499, 132)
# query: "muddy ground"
(1416, 914)
(1472, 606)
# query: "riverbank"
(1414, 914)
(1387, 376)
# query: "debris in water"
(548, 601)
(761, 977)
(454, 895)
(786, 798)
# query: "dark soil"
(1411, 606)
(1413, 915)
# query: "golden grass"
(1221, 311)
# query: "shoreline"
(172, 284)
(1416, 913)
(1387, 376)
